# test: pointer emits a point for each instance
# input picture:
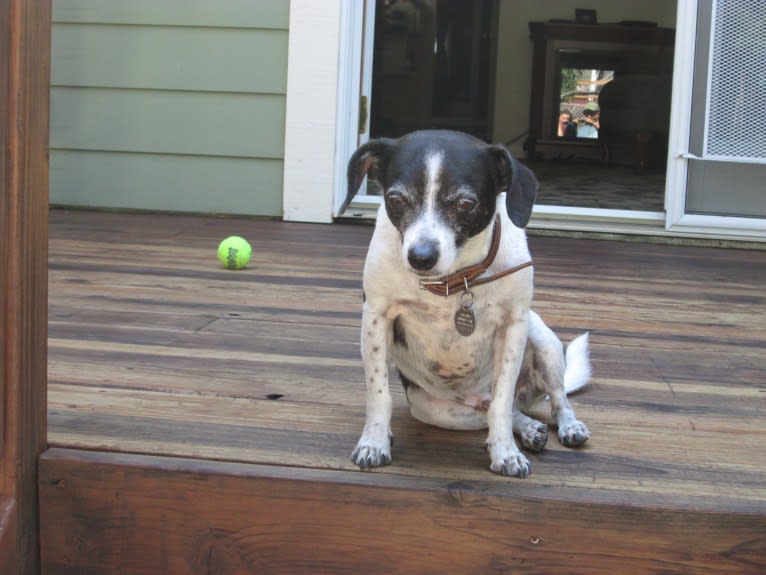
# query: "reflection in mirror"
(578, 101)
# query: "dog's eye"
(465, 205)
(396, 200)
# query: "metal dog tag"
(465, 321)
(465, 318)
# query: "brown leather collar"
(468, 277)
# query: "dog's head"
(440, 189)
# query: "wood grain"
(155, 515)
(24, 84)
(228, 386)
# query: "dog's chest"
(429, 350)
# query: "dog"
(448, 283)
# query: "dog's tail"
(578, 370)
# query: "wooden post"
(24, 89)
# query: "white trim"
(728, 227)
(568, 218)
(726, 159)
(311, 109)
(357, 28)
(646, 224)
(349, 66)
(598, 214)
(680, 112)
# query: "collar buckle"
(432, 285)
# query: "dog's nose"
(423, 255)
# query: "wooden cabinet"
(623, 49)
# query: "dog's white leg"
(505, 457)
(444, 413)
(374, 446)
(571, 431)
(550, 375)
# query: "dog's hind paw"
(534, 436)
(574, 434)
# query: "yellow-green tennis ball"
(234, 253)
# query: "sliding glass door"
(725, 152)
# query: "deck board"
(156, 350)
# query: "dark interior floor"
(589, 184)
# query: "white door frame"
(321, 106)
(318, 45)
(677, 221)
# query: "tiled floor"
(590, 185)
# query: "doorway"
(431, 66)
(432, 63)
(475, 67)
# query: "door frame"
(357, 23)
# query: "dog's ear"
(370, 159)
(518, 182)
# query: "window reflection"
(579, 112)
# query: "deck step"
(141, 514)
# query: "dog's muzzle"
(468, 277)
(423, 255)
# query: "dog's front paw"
(367, 456)
(574, 434)
(372, 450)
(508, 460)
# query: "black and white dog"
(448, 286)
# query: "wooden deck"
(201, 420)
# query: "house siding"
(169, 105)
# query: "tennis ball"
(234, 252)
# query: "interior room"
(578, 90)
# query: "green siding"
(169, 183)
(169, 104)
(201, 123)
(215, 13)
(163, 58)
